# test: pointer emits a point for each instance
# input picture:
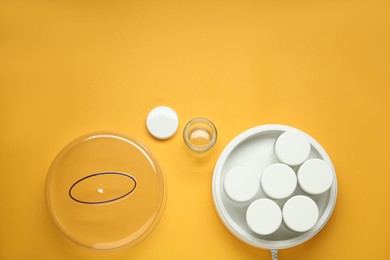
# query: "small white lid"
(162, 122)
(315, 176)
(278, 181)
(300, 213)
(241, 184)
(292, 147)
(264, 216)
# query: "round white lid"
(315, 176)
(241, 184)
(300, 213)
(264, 216)
(292, 147)
(162, 122)
(278, 181)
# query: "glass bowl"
(105, 190)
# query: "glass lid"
(105, 191)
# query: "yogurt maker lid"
(105, 190)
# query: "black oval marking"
(98, 174)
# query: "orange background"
(72, 67)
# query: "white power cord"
(274, 253)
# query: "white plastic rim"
(300, 213)
(278, 181)
(229, 218)
(264, 216)
(292, 147)
(162, 122)
(241, 184)
(315, 176)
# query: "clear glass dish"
(105, 191)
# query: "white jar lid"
(278, 181)
(264, 216)
(241, 184)
(315, 176)
(292, 147)
(162, 122)
(300, 213)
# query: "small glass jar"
(241, 184)
(200, 135)
(292, 147)
(264, 216)
(300, 213)
(315, 176)
(278, 181)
